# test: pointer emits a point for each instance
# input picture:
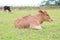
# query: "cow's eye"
(47, 15)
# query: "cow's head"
(45, 15)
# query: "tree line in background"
(46, 4)
(50, 3)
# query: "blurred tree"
(43, 3)
(51, 2)
(58, 2)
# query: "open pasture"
(50, 31)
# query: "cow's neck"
(41, 18)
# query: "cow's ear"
(41, 11)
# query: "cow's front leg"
(36, 26)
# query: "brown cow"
(32, 21)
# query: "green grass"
(50, 31)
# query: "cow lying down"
(32, 21)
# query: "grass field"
(50, 31)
